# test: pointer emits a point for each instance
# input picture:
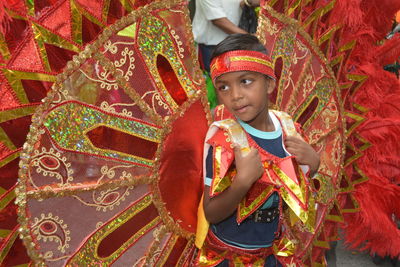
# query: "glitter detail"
(80, 119)
(88, 256)
(154, 39)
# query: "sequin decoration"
(48, 162)
(98, 137)
(315, 102)
(154, 39)
(106, 245)
(50, 228)
(79, 119)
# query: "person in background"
(213, 21)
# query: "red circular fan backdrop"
(110, 172)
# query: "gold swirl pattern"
(50, 228)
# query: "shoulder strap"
(235, 132)
(287, 123)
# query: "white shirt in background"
(204, 31)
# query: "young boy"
(247, 153)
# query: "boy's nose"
(236, 93)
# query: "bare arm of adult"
(251, 3)
(249, 169)
(227, 26)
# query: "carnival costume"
(110, 173)
(282, 175)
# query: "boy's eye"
(223, 87)
(246, 81)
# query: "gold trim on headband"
(252, 59)
(248, 58)
(240, 60)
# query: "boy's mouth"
(241, 109)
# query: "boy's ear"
(270, 85)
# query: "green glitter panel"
(154, 39)
(324, 90)
(284, 48)
(69, 123)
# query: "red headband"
(241, 60)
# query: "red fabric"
(24, 56)
(58, 19)
(58, 57)
(94, 7)
(8, 171)
(17, 254)
(170, 80)
(27, 56)
(176, 252)
(4, 17)
(107, 138)
(17, 6)
(180, 182)
(36, 90)
(116, 11)
(8, 216)
(113, 241)
(91, 31)
(22, 124)
(14, 35)
(8, 97)
(5, 151)
(140, 3)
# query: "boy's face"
(245, 95)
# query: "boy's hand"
(303, 152)
(249, 168)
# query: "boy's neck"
(266, 125)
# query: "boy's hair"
(239, 41)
